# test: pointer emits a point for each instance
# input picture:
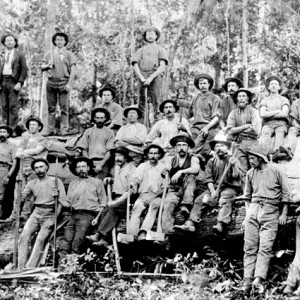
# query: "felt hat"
(219, 140)
(60, 34)
(132, 107)
(8, 129)
(107, 87)
(206, 76)
(273, 77)
(5, 36)
(248, 92)
(232, 79)
(100, 109)
(259, 151)
(39, 160)
(151, 29)
(162, 105)
(155, 146)
(89, 162)
(182, 137)
(122, 150)
(34, 118)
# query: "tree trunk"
(132, 49)
(123, 39)
(245, 44)
(228, 37)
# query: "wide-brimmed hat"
(273, 77)
(206, 76)
(162, 105)
(151, 29)
(34, 118)
(219, 141)
(8, 129)
(122, 150)
(248, 92)
(107, 87)
(182, 137)
(155, 146)
(39, 160)
(259, 151)
(89, 162)
(100, 109)
(132, 107)
(5, 36)
(60, 34)
(232, 79)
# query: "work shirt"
(240, 117)
(42, 191)
(164, 130)
(8, 58)
(148, 177)
(97, 141)
(134, 134)
(227, 106)
(87, 194)
(7, 152)
(122, 178)
(116, 113)
(270, 184)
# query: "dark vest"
(175, 167)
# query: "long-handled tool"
(158, 235)
(146, 116)
(55, 212)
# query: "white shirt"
(7, 69)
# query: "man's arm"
(159, 71)
(24, 69)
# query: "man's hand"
(176, 176)
(233, 160)
(48, 224)
(18, 86)
(282, 219)
(148, 201)
(148, 81)
(181, 127)
(108, 180)
(67, 87)
(164, 172)
(5, 180)
(204, 131)
(98, 168)
(214, 195)
(55, 193)
(95, 222)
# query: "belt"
(85, 211)
(58, 79)
(45, 206)
(265, 200)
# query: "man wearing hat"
(266, 189)
(274, 111)
(147, 183)
(164, 130)
(97, 142)
(231, 85)
(149, 64)
(43, 192)
(108, 94)
(244, 126)
(132, 135)
(60, 66)
(87, 199)
(13, 73)
(116, 208)
(8, 165)
(206, 110)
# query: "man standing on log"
(266, 188)
(60, 64)
(13, 72)
(42, 218)
(149, 64)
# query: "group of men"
(176, 156)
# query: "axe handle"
(159, 228)
(128, 209)
(109, 192)
(146, 116)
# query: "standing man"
(266, 188)
(97, 142)
(149, 64)
(87, 198)
(60, 64)
(42, 218)
(13, 72)
(133, 134)
(274, 111)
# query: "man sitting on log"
(266, 188)
(42, 218)
(133, 134)
(116, 208)
(219, 193)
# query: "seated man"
(42, 218)
(116, 209)
(133, 134)
(228, 192)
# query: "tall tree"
(245, 43)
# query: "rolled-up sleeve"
(101, 194)
(248, 189)
(285, 186)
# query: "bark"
(245, 44)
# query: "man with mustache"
(87, 199)
(133, 134)
(116, 208)
(42, 218)
(164, 130)
(266, 189)
(97, 142)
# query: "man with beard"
(147, 182)
(8, 162)
(97, 142)
(149, 64)
(108, 95)
(228, 192)
(266, 188)
(133, 134)
(244, 126)
(164, 130)
(230, 86)
(87, 199)
(116, 208)
(42, 218)
(182, 169)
